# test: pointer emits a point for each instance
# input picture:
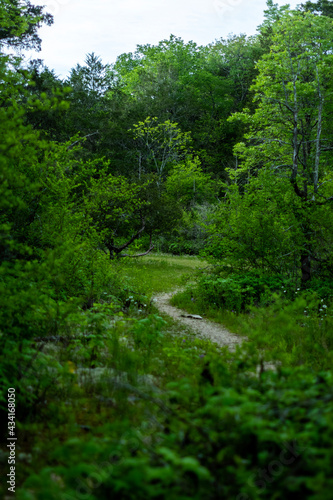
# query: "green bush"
(322, 287)
(233, 435)
(236, 292)
(190, 237)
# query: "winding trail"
(204, 328)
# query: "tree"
(272, 15)
(321, 7)
(232, 65)
(196, 193)
(189, 185)
(89, 110)
(159, 146)
(162, 82)
(258, 228)
(93, 79)
(234, 60)
(47, 97)
(154, 76)
(196, 87)
(115, 212)
(290, 133)
(19, 22)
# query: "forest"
(201, 171)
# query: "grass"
(158, 273)
(291, 332)
(108, 378)
(124, 402)
(184, 300)
(134, 363)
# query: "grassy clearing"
(158, 273)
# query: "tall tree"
(93, 78)
(153, 75)
(272, 15)
(290, 132)
(232, 64)
(89, 109)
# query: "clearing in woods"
(162, 276)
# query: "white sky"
(112, 27)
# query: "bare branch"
(81, 139)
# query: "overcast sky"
(112, 27)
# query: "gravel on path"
(205, 329)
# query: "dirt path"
(204, 328)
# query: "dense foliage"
(223, 151)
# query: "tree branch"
(133, 238)
(151, 247)
(81, 139)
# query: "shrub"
(237, 291)
(239, 436)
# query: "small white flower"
(298, 288)
(324, 306)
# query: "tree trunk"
(318, 142)
(111, 249)
(305, 267)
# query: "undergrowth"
(124, 403)
(292, 325)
